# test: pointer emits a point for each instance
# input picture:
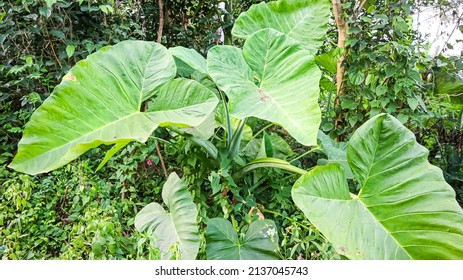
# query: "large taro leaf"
(99, 102)
(259, 243)
(303, 20)
(178, 226)
(404, 210)
(287, 88)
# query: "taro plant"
(125, 92)
(404, 209)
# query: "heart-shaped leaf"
(404, 210)
(175, 227)
(303, 20)
(287, 85)
(259, 243)
(100, 100)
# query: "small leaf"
(259, 243)
(106, 9)
(58, 34)
(45, 11)
(2, 15)
(175, 227)
(329, 60)
(70, 50)
(356, 78)
(50, 3)
(349, 104)
(380, 90)
(390, 70)
(412, 103)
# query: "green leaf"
(205, 130)
(380, 90)
(329, 60)
(70, 50)
(259, 243)
(356, 78)
(404, 210)
(280, 149)
(50, 3)
(335, 151)
(451, 84)
(175, 227)
(266, 148)
(287, 89)
(390, 70)
(400, 24)
(2, 15)
(45, 11)
(106, 9)
(266, 163)
(188, 61)
(412, 103)
(58, 34)
(303, 20)
(99, 101)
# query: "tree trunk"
(161, 21)
(342, 36)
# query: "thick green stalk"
(267, 162)
(228, 20)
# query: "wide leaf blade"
(286, 91)
(178, 226)
(303, 20)
(99, 102)
(405, 209)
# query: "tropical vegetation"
(317, 130)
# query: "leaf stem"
(306, 153)
(262, 130)
(229, 126)
(268, 162)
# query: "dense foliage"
(74, 212)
